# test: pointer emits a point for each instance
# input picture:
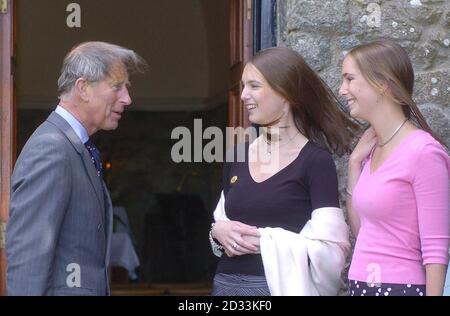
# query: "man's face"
(107, 101)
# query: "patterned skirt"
(239, 285)
(360, 288)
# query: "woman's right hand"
(364, 146)
(233, 236)
(359, 154)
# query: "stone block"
(314, 48)
(318, 16)
(433, 87)
(438, 119)
(422, 55)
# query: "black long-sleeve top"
(284, 200)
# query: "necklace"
(390, 138)
(269, 143)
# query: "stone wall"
(323, 31)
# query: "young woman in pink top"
(398, 180)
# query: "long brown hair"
(317, 112)
(384, 63)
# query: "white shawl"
(308, 263)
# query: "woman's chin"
(354, 113)
(254, 119)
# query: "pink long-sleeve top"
(404, 212)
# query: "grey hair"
(94, 62)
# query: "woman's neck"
(387, 121)
(280, 131)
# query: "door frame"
(7, 123)
(241, 50)
(252, 28)
(264, 24)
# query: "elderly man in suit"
(60, 225)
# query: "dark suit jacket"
(60, 225)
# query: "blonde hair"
(387, 67)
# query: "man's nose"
(125, 97)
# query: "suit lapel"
(89, 167)
(108, 229)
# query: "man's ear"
(82, 89)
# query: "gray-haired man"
(59, 231)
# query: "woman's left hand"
(230, 235)
(254, 240)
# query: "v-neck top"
(403, 208)
(285, 200)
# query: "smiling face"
(359, 93)
(263, 104)
(107, 100)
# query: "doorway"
(167, 205)
(206, 45)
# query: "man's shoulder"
(47, 132)
(47, 138)
(47, 145)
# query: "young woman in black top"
(288, 171)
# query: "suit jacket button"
(99, 227)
